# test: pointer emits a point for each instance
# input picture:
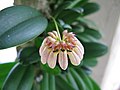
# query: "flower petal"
(42, 46)
(52, 35)
(63, 60)
(74, 58)
(79, 44)
(55, 33)
(52, 59)
(44, 55)
(79, 52)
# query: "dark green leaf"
(14, 77)
(94, 49)
(52, 82)
(27, 80)
(81, 3)
(71, 80)
(63, 84)
(85, 78)
(90, 8)
(87, 70)
(45, 82)
(91, 62)
(61, 7)
(78, 79)
(69, 15)
(19, 24)
(95, 85)
(29, 55)
(89, 35)
(87, 23)
(54, 71)
(38, 41)
(4, 70)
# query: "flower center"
(68, 41)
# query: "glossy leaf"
(85, 78)
(89, 36)
(62, 84)
(61, 7)
(78, 80)
(52, 82)
(91, 62)
(27, 80)
(87, 23)
(94, 49)
(69, 15)
(19, 78)
(14, 77)
(90, 8)
(29, 55)
(4, 70)
(19, 24)
(45, 82)
(54, 71)
(71, 80)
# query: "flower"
(54, 48)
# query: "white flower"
(53, 49)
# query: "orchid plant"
(57, 45)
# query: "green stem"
(56, 27)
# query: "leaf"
(19, 24)
(14, 77)
(38, 41)
(19, 78)
(91, 62)
(78, 79)
(45, 82)
(94, 49)
(71, 80)
(4, 70)
(87, 23)
(27, 80)
(95, 85)
(87, 70)
(29, 55)
(54, 71)
(69, 15)
(90, 8)
(89, 35)
(63, 84)
(81, 3)
(52, 82)
(85, 78)
(61, 7)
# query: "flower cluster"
(54, 48)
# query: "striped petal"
(55, 33)
(52, 35)
(79, 44)
(74, 58)
(52, 59)
(44, 55)
(63, 60)
(42, 46)
(78, 51)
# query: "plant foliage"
(21, 24)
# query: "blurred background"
(106, 73)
